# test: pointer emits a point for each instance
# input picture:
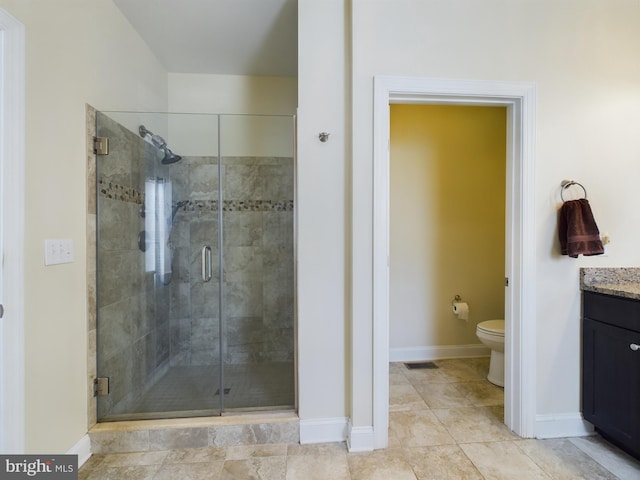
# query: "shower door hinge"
(101, 145)
(101, 387)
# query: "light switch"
(58, 250)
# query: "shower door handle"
(206, 263)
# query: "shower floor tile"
(194, 391)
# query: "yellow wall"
(447, 221)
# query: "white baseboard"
(436, 352)
(562, 425)
(360, 439)
(82, 449)
(323, 430)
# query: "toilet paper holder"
(460, 309)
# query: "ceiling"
(228, 37)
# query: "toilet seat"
(492, 327)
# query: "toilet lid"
(492, 326)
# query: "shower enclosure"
(195, 249)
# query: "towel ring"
(569, 183)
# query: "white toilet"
(491, 333)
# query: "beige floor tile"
(448, 371)
(388, 464)
(502, 461)
(460, 369)
(418, 428)
(430, 410)
(397, 368)
(190, 471)
(398, 379)
(140, 472)
(243, 452)
(404, 397)
(317, 449)
(427, 375)
(318, 467)
(116, 442)
(196, 455)
(475, 424)
(480, 365)
(90, 465)
(173, 438)
(256, 468)
(441, 462)
(318, 461)
(481, 393)
(442, 395)
(393, 441)
(133, 459)
(562, 460)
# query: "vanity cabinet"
(611, 368)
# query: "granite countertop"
(620, 282)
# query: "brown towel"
(577, 229)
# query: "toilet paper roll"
(461, 310)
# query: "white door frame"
(520, 248)
(12, 134)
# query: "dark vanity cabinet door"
(611, 368)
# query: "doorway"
(520, 332)
(447, 227)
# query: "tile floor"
(445, 423)
(248, 386)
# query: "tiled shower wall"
(133, 308)
(257, 294)
(145, 326)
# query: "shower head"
(170, 157)
(160, 143)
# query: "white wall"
(196, 134)
(243, 101)
(323, 205)
(583, 57)
(240, 135)
(581, 53)
(77, 52)
(232, 94)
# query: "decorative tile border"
(119, 192)
(257, 205)
(239, 206)
(131, 195)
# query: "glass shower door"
(158, 326)
(184, 327)
(257, 197)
